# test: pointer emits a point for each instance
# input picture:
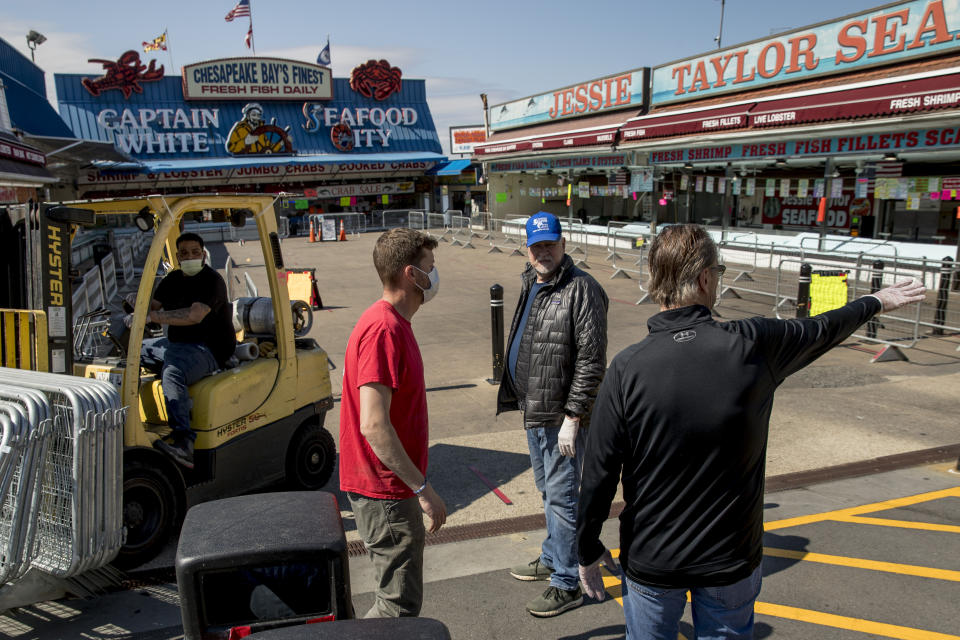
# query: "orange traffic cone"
(343, 232)
(313, 236)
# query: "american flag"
(242, 9)
(620, 177)
(888, 169)
(249, 37)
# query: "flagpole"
(253, 44)
(166, 38)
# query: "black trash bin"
(368, 629)
(258, 562)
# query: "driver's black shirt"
(178, 291)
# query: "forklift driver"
(192, 302)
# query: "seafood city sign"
(256, 78)
(892, 33)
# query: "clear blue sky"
(507, 49)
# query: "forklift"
(258, 424)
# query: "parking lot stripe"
(866, 508)
(861, 563)
(902, 524)
(852, 624)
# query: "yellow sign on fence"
(828, 291)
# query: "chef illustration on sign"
(252, 136)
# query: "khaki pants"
(393, 533)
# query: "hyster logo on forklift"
(259, 422)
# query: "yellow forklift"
(258, 424)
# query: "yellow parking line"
(901, 524)
(852, 624)
(861, 563)
(866, 508)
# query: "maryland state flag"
(160, 42)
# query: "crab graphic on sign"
(376, 79)
(125, 75)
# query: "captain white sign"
(149, 131)
(256, 78)
(360, 127)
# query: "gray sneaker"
(535, 570)
(555, 601)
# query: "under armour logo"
(684, 336)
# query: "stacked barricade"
(60, 473)
(506, 237)
(390, 219)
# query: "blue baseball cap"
(542, 227)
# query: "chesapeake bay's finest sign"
(256, 78)
(889, 34)
(595, 96)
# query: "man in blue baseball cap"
(556, 360)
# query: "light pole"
(34, 39)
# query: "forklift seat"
(218, 399)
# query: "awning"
(76, 150)
(13, 173)
(687, 122)
(589, 131)
(452, 168)
(362, 162)
(30, 111)
(925, 94)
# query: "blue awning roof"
(452, 168)
(166, 166)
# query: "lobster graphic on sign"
(125, 75)
(376, 79)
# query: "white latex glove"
(567, 440)
(128, 320)
(592, 579)
(900, 294)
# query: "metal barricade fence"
(70, 476)
(625, 250)
(505, 237)
(390, 219)
(899, 328)
(578, 246)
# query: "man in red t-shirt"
(383, 425)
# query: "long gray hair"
(677, 256)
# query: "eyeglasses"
(721, 268)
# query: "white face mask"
(430, 291)
(191, 267)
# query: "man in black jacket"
(556, 358)
(683, 416)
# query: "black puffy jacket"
(563, 354)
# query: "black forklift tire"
(311, 457)
(151, 512)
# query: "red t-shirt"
(382, 349)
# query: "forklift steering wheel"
(302, 317)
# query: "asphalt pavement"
(842, 410)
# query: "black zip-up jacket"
(563, 352)
(684, 415)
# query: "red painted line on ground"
(864, 349)
(489, 484)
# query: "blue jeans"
(718, 612)
(558, 481)
(179, 365)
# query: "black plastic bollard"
(803, 291)
(946, 271)
(496, 332)
(876, 283)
